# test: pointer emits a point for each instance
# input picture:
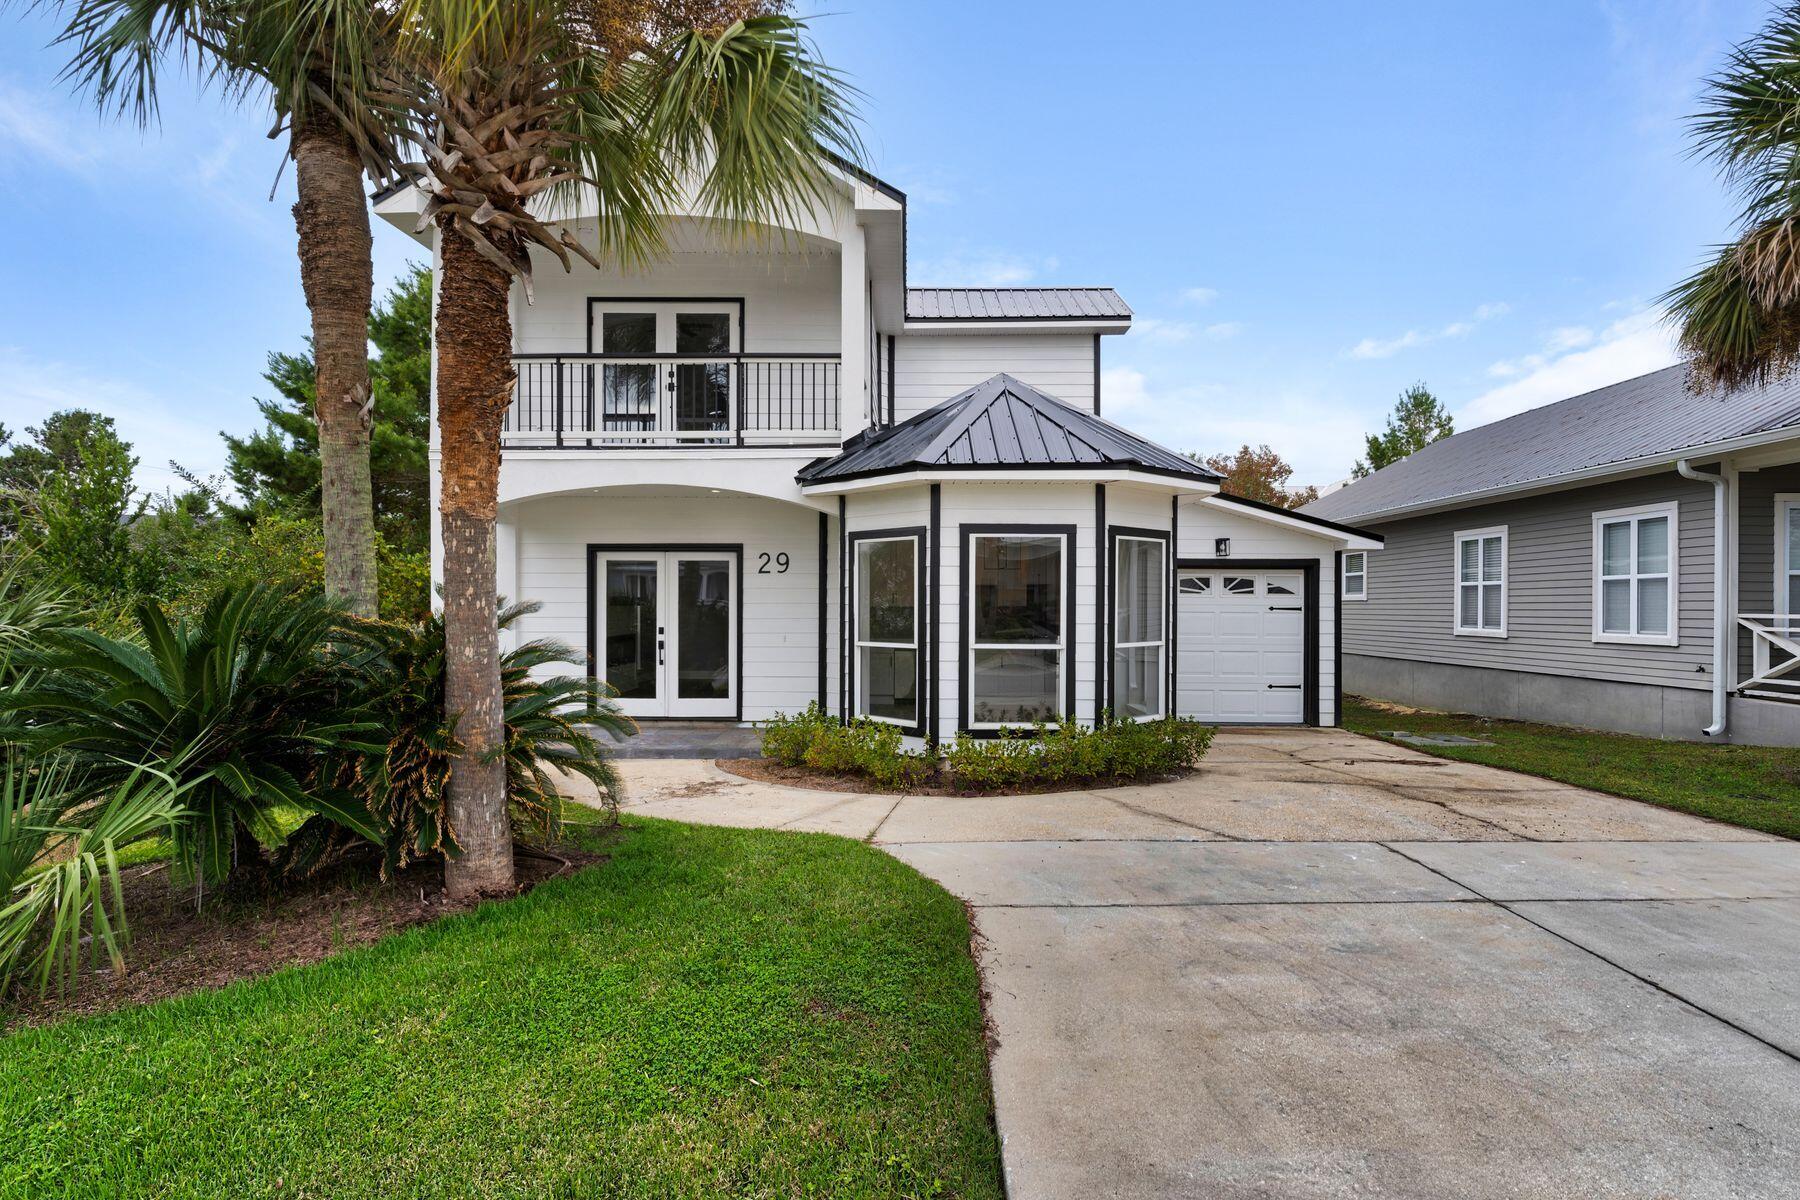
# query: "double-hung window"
(1481, 582)
(1634, 575)
(1018, 633)
(1140, 620)
(887, 628)
(1356, 575)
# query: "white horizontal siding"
(931, 368)
(790, 300)
(780, 661)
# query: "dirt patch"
(764, 771)
(177, 947)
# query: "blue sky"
(1310, 206)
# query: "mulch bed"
(177, 947)
(766, 771)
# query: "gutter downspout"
(1723, 618)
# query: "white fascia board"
(1006, 325)
(1343, 539)
(1150, 479)
(1649, 464)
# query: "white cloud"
(34, 128)
(965, 267)
(1224, 330)
(1317, 434)
(31, 389)
(1200, 295)
(1388, 347)
(1160, 330)
(1571, 364)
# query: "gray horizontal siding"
(1756, 545)
(1550, 562)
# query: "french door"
(656, 394)
(665, 631)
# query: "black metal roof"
(1654, 414)
(1015, 304)
(1002, 424)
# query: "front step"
(688, 739)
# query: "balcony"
(1774, 656)
(612, 401)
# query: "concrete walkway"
(1328, 967)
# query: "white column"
(506, 571)
(853, 338)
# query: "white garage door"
(1241, 637)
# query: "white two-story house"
(766, 472)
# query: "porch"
(1767, 626)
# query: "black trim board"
(843, 608)
(736, 549)
(1321, 522)
(1096, 374)
(1309, 569)
(824, 571)
(1174, 596)
(967, 533)
(1109, 615)
(1102, 660)
(1337, 641)
(890, 380)
(934, 650)
(918, 534)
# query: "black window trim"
(967, 533)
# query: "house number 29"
(772, 564)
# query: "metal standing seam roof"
(1002, 423)
(1015, 304)
(1654, 414)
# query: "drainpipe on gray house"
(1723, 617)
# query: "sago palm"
(1740, 314)
(518, 106)
(312, 61)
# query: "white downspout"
(1723, 617)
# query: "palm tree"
(311, 58)
(1740, 313)
(518, 106)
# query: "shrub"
(235, 705)
(1114, 751)
(402, 772)
(870, 749)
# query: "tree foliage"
(1419, 419)
(1258, 473)
(276, 468)
(70, 501)
(1740, 312)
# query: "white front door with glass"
(666, 631)
(672, 371)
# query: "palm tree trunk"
(474, 385)
(337, 271)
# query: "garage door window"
(1140, 621)
(887, 629)
(1018, 635)
(1481, 582)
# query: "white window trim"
(1161, 644)
(859, 645)
(1344, 576)
(1785, 502)
(1672, 510)
(1456, 580)
(1061, 645)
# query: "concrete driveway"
(1328, 967)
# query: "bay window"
(888, 620)
(1634, 575)
(1140, 618)
(1018, 606)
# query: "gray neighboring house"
(1627, 559)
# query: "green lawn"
(711, 1012)
(1757, 787)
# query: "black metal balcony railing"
(614, 400)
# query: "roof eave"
(869, 481)
(1106, 325)
(1350, 537)
(1647, 464)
